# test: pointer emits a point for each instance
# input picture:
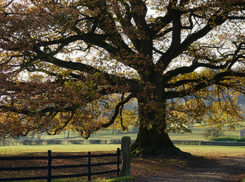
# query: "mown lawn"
(23, 149)
(214, 151)
(196, 134)
(207, 151)
(200, 150)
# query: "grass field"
(207, 151)
(201, 150)
(22, 149)
(196, 134)
(214, 151)
(41, 150)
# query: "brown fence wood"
(49, 167)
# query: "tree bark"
(152, 138)
(152, 142)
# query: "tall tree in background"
(60, 60)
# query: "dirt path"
(226, 169)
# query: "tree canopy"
(62, 60)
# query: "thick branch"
(214, 21)
(185, 81)
(159, 24)
(189, 69)
(203, 84)
(7, 4)
(139, 13)
(41, 112)
(117, 111)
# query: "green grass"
(197, 134)
(194, 149)
(214, 151)
(230, 138)
(200, 150)
(21, 149)
(42, 149)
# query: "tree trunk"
(153, 142)
(152, 138)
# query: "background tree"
(60, 61)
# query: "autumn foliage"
(75, 64)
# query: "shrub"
(212, 133)
(242, 139)
(76, 141)
(226, 139)
(115, 141)
(230, 139)
(27, 142)
(96, 141)
(54, 142)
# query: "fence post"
(118, 162)
(126, 155)
(89, 166)
(49, 166)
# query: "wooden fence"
(49, 167)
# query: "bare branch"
(112, 120)
(8, 4)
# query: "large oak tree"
(60, 61)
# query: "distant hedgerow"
(230, 139)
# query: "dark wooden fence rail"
(49, 167)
